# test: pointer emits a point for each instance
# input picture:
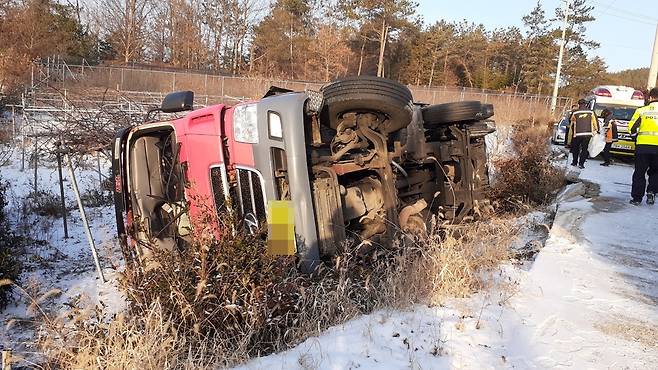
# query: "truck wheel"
(487, 111)
(367, 94)
(456, 112)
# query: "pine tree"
(281, 40)
(540, 53)
(578, 69)
(378, 20)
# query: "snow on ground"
(59, 263)
(588, 301)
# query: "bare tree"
(126, 24)
(330, 53)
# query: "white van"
(622, 101)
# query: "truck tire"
(487, 111)
(367, 94)
(461, 111)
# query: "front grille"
(217, 182)
(247, 194)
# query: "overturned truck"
(357, 160)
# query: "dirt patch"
(592, 190)
(626, 256)
(631, 330)
(607, 204)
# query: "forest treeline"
(315, 40)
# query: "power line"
(609, 5)
(623, 10)
(627, 18)
(624, 13)
(625, 47)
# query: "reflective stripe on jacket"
(583, 123)
(645, 124)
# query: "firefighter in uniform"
(583, 125)
(644, 124)
(611, 135)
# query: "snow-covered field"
(588, 301)
(58, 263)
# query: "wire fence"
(213, 88)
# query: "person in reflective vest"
(583, 125)
(611, 135)
(644, 126)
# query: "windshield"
(619, 112)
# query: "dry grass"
(526, 176)
(630, 329)
(225, 301)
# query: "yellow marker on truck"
(280, 228)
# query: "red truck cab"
(356, 161)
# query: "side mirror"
(177, 102)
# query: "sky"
(624, 28)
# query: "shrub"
(10, 267)
(96, 198)
(528, 175)
(42, 203)
(221, 301)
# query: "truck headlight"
(245, 124)
(274, 122)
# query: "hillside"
(636, 78)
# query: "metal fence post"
(23, 133)
(205, 86)
(13, 123)
(61, 188)
(36, 162)
(83, 215)
(223, 86)
(60, 66)
(98, 163)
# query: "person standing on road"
(611, 135)
(644, 124)
(583, 125)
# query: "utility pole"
(653, 71)
(559, 58)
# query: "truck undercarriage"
(358, 161)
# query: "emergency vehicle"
(357, 160)
(622, 101)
